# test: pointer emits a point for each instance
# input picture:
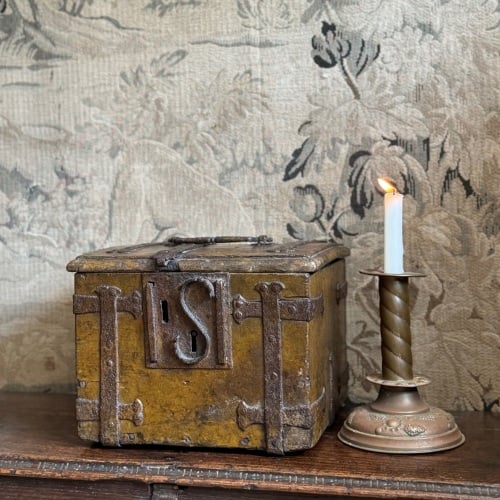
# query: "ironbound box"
(211, 342)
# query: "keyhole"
(164, 311)
(194, 334)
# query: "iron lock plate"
(187, 320)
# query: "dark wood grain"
(38, 440)
(168, 492)
(25, 488)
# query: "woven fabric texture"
(130, 121)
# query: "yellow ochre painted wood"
(191, 406)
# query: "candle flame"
(387, 185)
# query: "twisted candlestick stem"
(397, 363)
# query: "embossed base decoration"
(410, 427)
(399, 421)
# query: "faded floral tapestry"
(130, 121)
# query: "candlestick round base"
(400, 422)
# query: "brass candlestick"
(399, 421)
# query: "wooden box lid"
(213, 254)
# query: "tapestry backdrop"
(130, 121)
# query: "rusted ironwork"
(303, 416)
(88, 409)
(108, 302)
(272, 309)
(187, 320)
(150, 319)
(262, 239)
(298, 309)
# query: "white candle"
(393, 228)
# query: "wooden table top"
(38, 439)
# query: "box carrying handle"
(262, 239)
